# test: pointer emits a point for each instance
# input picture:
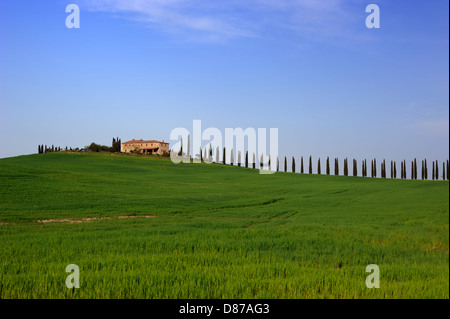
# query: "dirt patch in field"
(1, 224)
(88, 219)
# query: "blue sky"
(138, 69)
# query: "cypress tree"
(268, 166)
(246, 159)
(318, 166)
(223, 156)
(412, 169)
(293, 164)
(261, 161)
(310, 165)
(201, 155)
(210, 152)
(401, 169)
(443, 171)
(373, 170)
(301, 165)
(278, 164)
(426, 169)
(415, 168)
(374, 167)
(404, 166)
(231, 158)
(437, 170)
(395, 170)
(285, 164)
(336, 166)
(363, 168)
(328, 165)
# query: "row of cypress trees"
(44, 149)
(208, 156)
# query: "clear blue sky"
(138, 69)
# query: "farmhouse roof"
(133, 141)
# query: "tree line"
(93, 147)
(436, 174)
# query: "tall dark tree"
(328, 165)
(395, 170)
(336, 166)
(415, 168)
(426, 169)
(261, 161)
(355, 167)
(285, 164)
(373, 170)
(278, 164)
(301, 165)
(310, 165)
(345, 167)
(374, 167)
(231, 158)
(443, 171)
(246, 159)
(318, 167)
(437, 170)
(363, 168)
(223, 156)
(293, 164)
(401, 169)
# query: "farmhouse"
(145, 147)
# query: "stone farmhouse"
(145, 147)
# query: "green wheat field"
(214, 231)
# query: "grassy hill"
(216, 232)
